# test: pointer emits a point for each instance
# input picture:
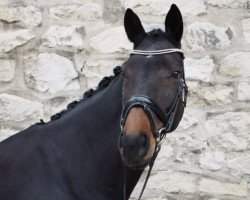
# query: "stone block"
(236, 65)
(166, 152)
(210, 186)
(203, 36)
(17, 109)
(188, 144)
(212, 160)
(244, 91)
(67, 37)
(6, 132)
(228, 3)
(9, 40)
(50, 72)
(240, 163)
(199, 69)
(187, 122)
(94, 71)
(112, 11)
(229, 130)
(217, 95)
(231, 141)
(41, 3)
(88, 12)
(7, 70)
(161, 7)
(173, 182)
(246, 29)
(29, 16)
(110, 41)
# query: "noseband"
(150, 107)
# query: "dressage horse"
(98, 148)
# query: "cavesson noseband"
(150, 107)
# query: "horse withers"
(82, 153)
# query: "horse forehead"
(149, 57)
(154, 61)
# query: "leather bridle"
(150, 107)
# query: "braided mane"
(101, 85)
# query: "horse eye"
(176, 74)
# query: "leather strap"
(149, 107)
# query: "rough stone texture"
(188, 144)
(53, 51)
(86, 12)
(199, 69)
(161, 7)
(241, 163)
(236, 65)
(202, 36)
(218, 95)
(212, 160)
(29, 16)
(6, 132)
(187, 122)
(17, 109)
(104, 42)
(246, 29)
(50, 72)
(229, 130)
(63, 36)
(9, 40)
(228, 3)
(94, 71)
(173, 182)
(7, 70)
(112, 11)
(243, 91)
(215, 187)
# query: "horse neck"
(95, 129)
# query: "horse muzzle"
(134, 148)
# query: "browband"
(155, 52)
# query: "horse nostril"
(120, 143)
(143, 144)
(132, 145)
(144, 140)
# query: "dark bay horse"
(81, 153)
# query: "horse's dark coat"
(76, 156)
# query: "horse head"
(154, 89)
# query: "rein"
(150, 107)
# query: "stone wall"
(52, 51)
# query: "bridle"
(150, 107)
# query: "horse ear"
(174, 23)
(133, 27)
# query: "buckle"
(183, 91)
(162, 135)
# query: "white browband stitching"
(154, 52)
